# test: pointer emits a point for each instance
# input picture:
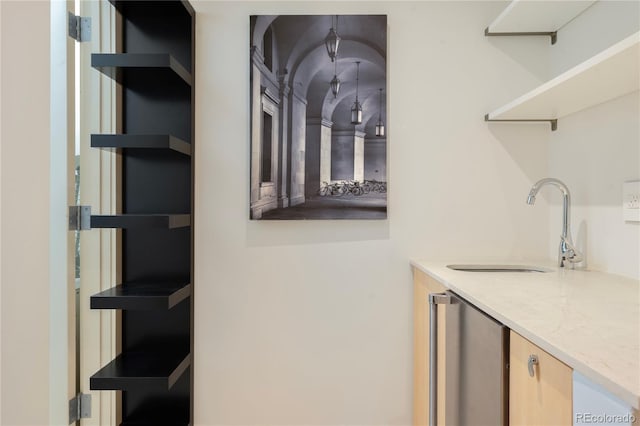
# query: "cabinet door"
(422, 286)
(544, 398)
(591, 402)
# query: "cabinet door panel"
(545, 398)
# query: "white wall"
(24, 198)
(309, 322)
(595, 150)
(1, 213)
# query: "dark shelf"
(141, 141)
(159, 369)
(155, 144)
(140, 221)
(117, 65)
(119, 5)
(160, 412)
(150, 421)
(141, 296)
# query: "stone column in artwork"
(347, 155)
(358, 155)
(318, 154)
(283, 160)
(375, 155)
(265, 132)
(325, 151)
(297, 144)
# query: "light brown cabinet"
(545, 398)
(540, 386)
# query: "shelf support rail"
(552, 121)
(552, 34)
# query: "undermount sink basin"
(498, 268)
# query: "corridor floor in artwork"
(366, 206)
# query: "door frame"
(62, 310)
(100, 188)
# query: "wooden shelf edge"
(617, 52)
(141, 221)
(112, 64)
(141, 141)
(141, 296)
(118, 374)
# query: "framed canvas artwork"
(318, 120)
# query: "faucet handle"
(572, 254)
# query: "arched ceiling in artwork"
(302, 55)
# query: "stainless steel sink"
(498, 268)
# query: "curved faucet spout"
(567, 251)
(566, 201)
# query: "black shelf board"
(145, 296)
(158, 369)
(116, 65)
(141, 221)
(119, 5)
(141, 141)
(159, 411)
(155, 421)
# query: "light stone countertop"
(589, 320)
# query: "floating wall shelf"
(160, 412)
(118, 65)
(139, 221)
(544, 18)
(142, 296)
(141, 141)
(158, 369)
(609, 74)
(166, 415)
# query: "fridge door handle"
(533, 361)
(434, 300)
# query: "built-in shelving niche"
(155, 296)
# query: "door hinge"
(79, 28)
(79, 218)
(79, 407)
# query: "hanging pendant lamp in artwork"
(356, 109)
(335, 82)
(380, 124)
(332, 40)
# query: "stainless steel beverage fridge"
(476, 372)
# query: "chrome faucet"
(567, 252)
